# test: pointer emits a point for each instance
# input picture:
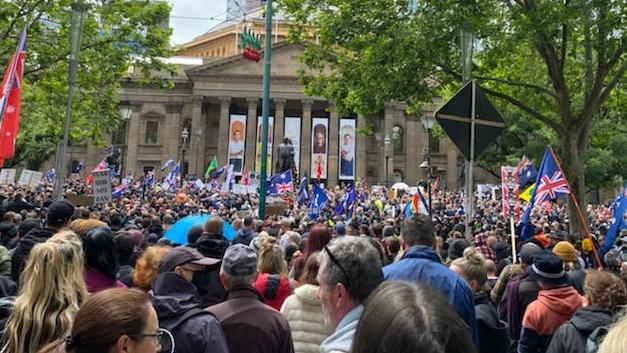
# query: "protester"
(101, 264)
(556, 303)
(319, 237)
(567, 252)
(272, 281)
(606, 296)
(493, 337)
(243, 314)
(51, 292)
(147, 267)
(303, 311)
(113, 321)
(124, 246)
(178, 306)
(246, 234)
(350, 269)
(403, 317)
(212, 244)
(421, 263)
(57, 217)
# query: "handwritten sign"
(102, 186)
(7, 176)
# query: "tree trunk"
(574, 146)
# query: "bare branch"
(613, 82)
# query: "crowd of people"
(371, 278)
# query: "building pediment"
(285, 64)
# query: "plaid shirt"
(480, 246)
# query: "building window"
(398, 175)
(152, 132)
(434, 144)
(118, 137)
(397, 139)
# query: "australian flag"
(527, 173)
(618, 222)
(346, 206)
(317, 201)
(303, 190)
(550, 184)
(280, 183)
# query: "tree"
(557, 62)
(116, 34)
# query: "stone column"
(334, 128)
(452, 171)
(223, 137)
(305, 143)
(279, 126)
(196, 146)
(251, 133)
(172, 128)
(388, 150)
(133, 138)
(360, 150)
(413, 153)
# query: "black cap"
(60, 212)
(182, 255)
(548, 268)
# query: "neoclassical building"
(215, 108)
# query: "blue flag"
(619, 206)
(219, 172)
(318, 199)
(280, 183)
(550, 184)
(150, 179)
(170, 179)
(50, 175)
(527, 175)
(303, 190)
(167, 164)
(346, 206)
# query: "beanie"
(566, 251)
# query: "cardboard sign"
(35, 179)
(80, 200)
(7, 176)
(25, 177)
(30, 178)
(102, 186)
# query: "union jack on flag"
(280, 183)
(549, 188)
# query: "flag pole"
(582, 219)
(513, 235)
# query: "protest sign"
(102, 186)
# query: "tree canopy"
(116, 34)
(561, 63)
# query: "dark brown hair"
(106, 316)
(418, 230)
(311, 270)
(319, 237)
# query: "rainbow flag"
(417, 204)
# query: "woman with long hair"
(101, 265)
(319, 237)
(51, 292)
(272, 281)
(303, 311)
(115, 321)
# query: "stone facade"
(206, 95)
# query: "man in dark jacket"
(250, 325)
(178, 306)
(18, 204)
(246, 234)
(211, 244)
(58, 217)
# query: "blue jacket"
(420, 263)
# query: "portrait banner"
(237, 142)
(347, 149)
(292, 131)
(258, 145)
(319, 147)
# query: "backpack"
(169, 325)
(596, 337)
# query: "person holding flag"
(346, 206)
(618, 222)
(170, 179)
(318, 199)
(303, 190)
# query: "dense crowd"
(371, 278)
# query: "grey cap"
(528, 252)
(239, 260)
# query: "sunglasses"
(334, 260)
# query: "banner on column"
(258, 149)
(319, 147)
(237, 142)
(347, 149)
(292, 132)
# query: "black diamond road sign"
(454, 117)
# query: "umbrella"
(400, 186)
(178, 232)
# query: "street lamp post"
(387, 142)
(265, 111)
(184, 137)
(427, 122)
(78, 14)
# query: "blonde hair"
(147, 267)
(615, 341)
(271, 259)
(51, 291)
(473, 266)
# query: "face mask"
(201, 281)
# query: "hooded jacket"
(571, 337)
(544, 315)
(274, 288)
(421, 263)
(213, 246)
(493, 337)
(172, 296)
(24, 246)
(244, 236)
(303, 311)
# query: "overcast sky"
(205, 14)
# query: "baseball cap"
(528, 252)
(182, 255)
(60, 211)
(239, 260)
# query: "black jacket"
(172, 296)
(493, 335)
(24, 246)
(214, 246)
(18, 205)
(571, 337)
